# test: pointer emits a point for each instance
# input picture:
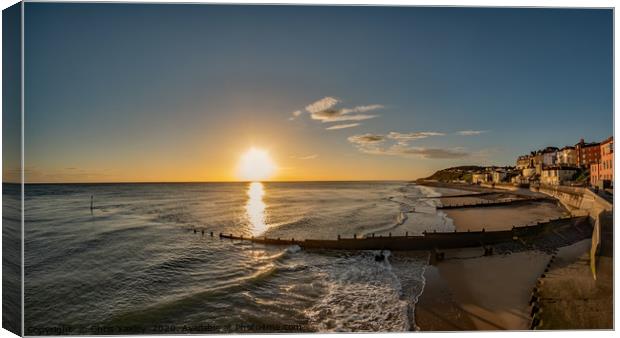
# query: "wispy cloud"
(307, 157)
(471, 132)
(406, 137)
(325, 110)
(342, 126)
(397, 144)
(368, 138)
(295, 114)
(431, 153)
(361, 109)
(336, 116)
(322, 104)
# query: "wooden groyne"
(482, 204)
(427, 241)
(467, 195)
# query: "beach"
(503, 217)
(470, 291)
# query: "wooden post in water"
(92, 203)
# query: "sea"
(140, 258)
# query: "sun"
(255, 165)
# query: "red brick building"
(603, 172)
(588, 153)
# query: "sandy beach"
(504, 217)
(470, 291)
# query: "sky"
(166, 93)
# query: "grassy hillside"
(462, 173)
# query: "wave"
(362, 295)
(193, 302)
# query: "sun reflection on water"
(255, 208)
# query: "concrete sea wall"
(584, 202)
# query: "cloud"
(324, 110)
(366, 139)
(361, 109)
(406, 137)
(397, 144)
(470, 132)
(430, 153)
(328, 116)
(295, 115)
(342, 126)
(322, 104)
(308, 157)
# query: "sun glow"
(255, 165)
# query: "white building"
(557, 175)
(549, 156)
(567, 156)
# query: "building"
(587, 153)
(477, 178)
(519, 180)
(594, 174)
(524, 162)
(557, 175)
(528, 172)
(548, 156)
(602, 173)
(537, 161)
(567, 156)
(607, 160)
(499, 176)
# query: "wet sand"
(504, 217)
(448, 200)
(469, 291)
